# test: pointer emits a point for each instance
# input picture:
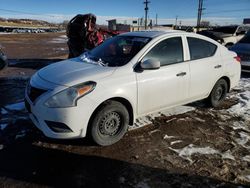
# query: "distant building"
(136, 24)
(124, 24)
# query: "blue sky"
(216, 11)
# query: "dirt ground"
(203, 147)
(35, 46)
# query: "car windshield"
(246, 38)
(117, 51)
(228, 29)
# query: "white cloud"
(57, 18)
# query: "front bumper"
(74, 118)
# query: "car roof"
(150, 33)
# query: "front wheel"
(110, 123)
(218, 94)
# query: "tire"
(218, 93)
(110, 123)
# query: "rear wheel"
(218, 94)
(110, 123)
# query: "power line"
(22, 12)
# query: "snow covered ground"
(61, 39)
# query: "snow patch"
(240, 125)
(61, 39)
(224, 117)
(3, 111)
(16, 106)
(187, 152)
(175, 142)
(242, 109)
(154, 131)
(243, 140)
(168, 137)
(178, 110)
(146, 120)
(227, 155)
(247, 177)
(3, 126)
(171, 120)
(199, 119)
(142, 185)
(246, 158)
(21, 135)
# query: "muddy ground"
(203, 147)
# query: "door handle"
(181, 74)
(217, 66)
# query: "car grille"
(244, 57)
(34, 93)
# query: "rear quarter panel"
(232, 68)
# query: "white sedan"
(103, 91)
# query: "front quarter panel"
(121, 84)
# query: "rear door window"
(199, 48)
(168, 51)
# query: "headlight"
(69, 97)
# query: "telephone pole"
(176, 19)
(146, 13)
(156, 19)
(200, 9)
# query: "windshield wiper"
(87, 59)
(101, 62)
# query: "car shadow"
(22, 130)
(28, 165)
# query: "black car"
(3, 60)
(242, 48)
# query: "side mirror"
(150, 64)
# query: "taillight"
(237, 58)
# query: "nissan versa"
(104, 90)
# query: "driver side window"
(169, 51)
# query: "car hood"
(241, 48)
(74, 71)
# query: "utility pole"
(156, 19)
(176, 19)
(146, 13)
(200, 9)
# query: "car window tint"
(199, 48)
(167, 52)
